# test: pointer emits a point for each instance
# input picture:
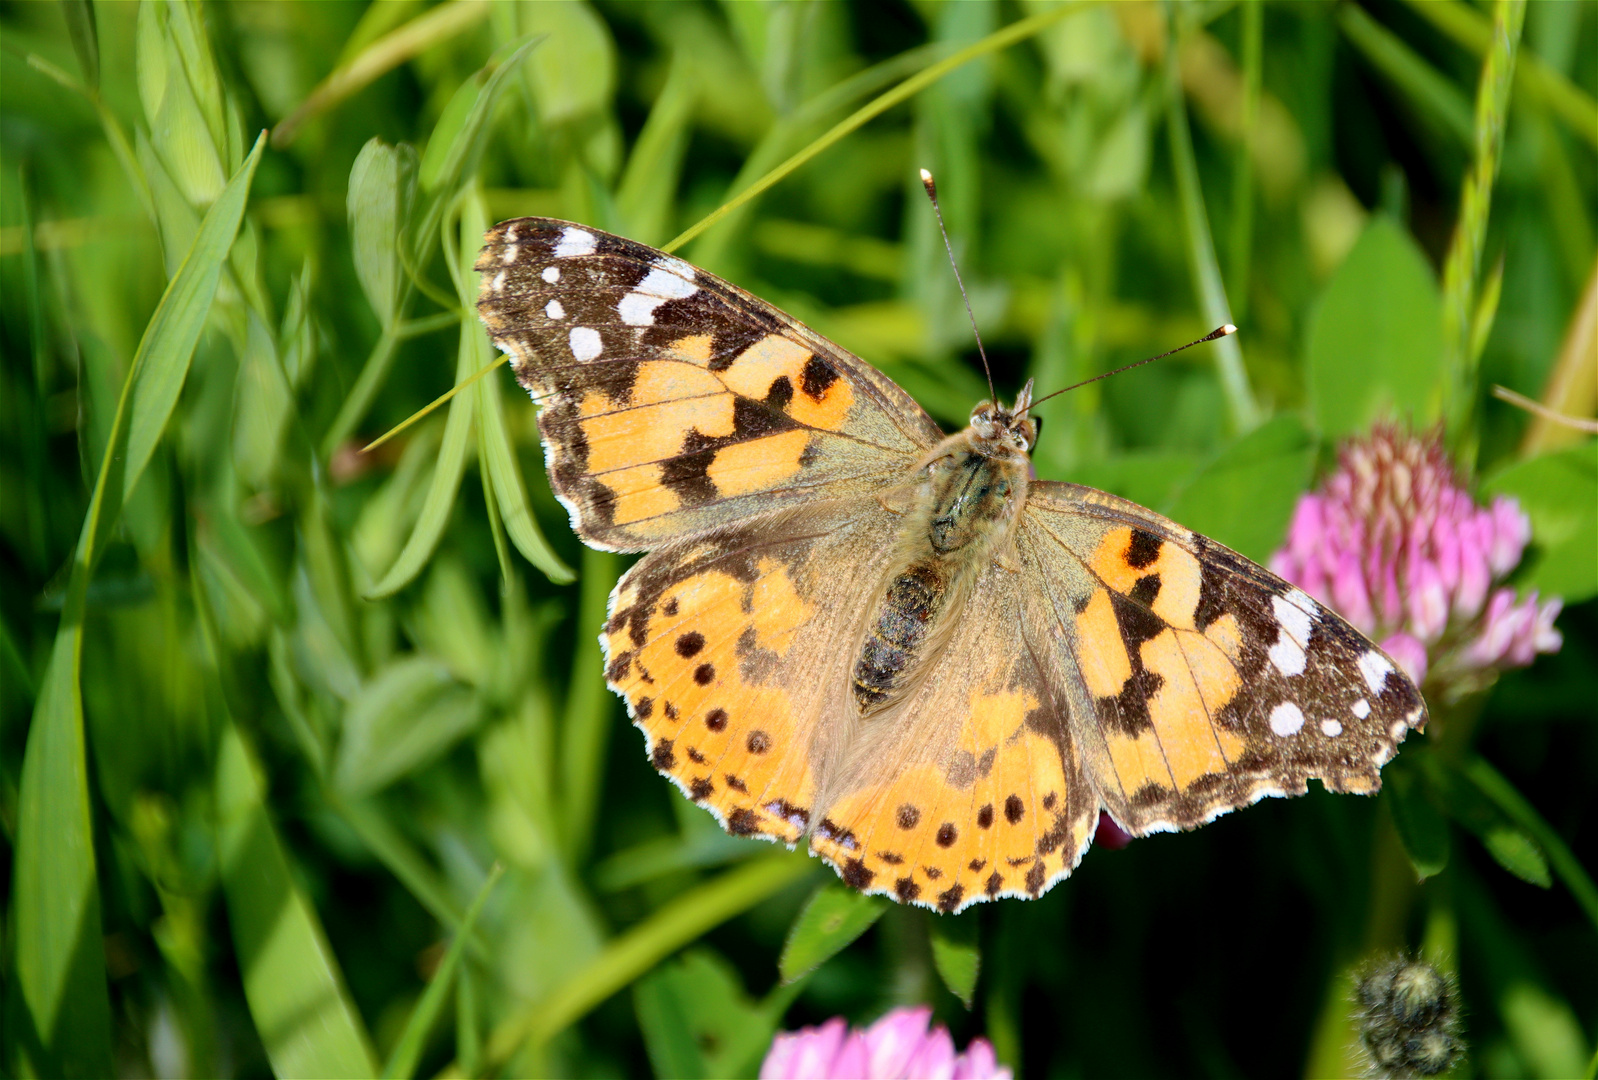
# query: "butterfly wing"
(1207, 681)
(673, 402)
(731, 648)
(974, 786)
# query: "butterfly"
(853, 628)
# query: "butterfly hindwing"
(1209, 682)
(719, 645)
(674, 402)
(973, 787)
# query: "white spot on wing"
(510, 234)
(551, 274)
(575, 241)
(499, 281)
(637, 308)
(510, 254)
(1287, 656)
(1286, 719)
(554, 310)
(1361, 708)
(1331, 728)
(1375, 667)
(585, 343)
(1292, 618)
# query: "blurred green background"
(306, 762)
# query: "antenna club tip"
(1228, 329)
(926, 177)
(926, 182)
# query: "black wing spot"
(716, 719)
(690, 643)
(704, 673)
(1145, 590)
(948, 901)
(700, 789)
(743, 822)
(855, 874)
(985, 816)
(906, 889)
(758, 742)
(662, 757)
(946, 834)
(1014, 809)
(909, 817)
(1143, 548)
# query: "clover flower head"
(1394, 542)
(899, 1046)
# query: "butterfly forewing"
(674, 402)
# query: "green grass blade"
(588, 705)
(640, 948)
(307, 1023)
(1421, 83)
(1533, 78)
(408, 1051)
(505, 487)
(162, 362)
(1242, 409)
(60, 972)
(446, 478)
(999, 39)
(957, 953)
(1463, 262)
(60, 962)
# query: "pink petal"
(1409, 653)
(933, 1059)
(1349, 596)
(1511, 532)
(1428, 601)
(853, 1059)
(893, 1040)
(806, 1054)
(979, 1063)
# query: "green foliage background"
(306, 763)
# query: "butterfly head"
(1002, 432)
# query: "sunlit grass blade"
(1533, 78)
(402, 1061)
(162, 362)
(1463, 261)
(640, 948)
(999, 39)
(1242, 409)
(377, 59)
(306, 1021)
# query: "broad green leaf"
(1559, 492)
(697, 1020)
(292, 983)
(182, 100)
(957, 953)
(833, 918)
(262, 400)
(1421, 826)
(162, 362)
(1518, 853)
(408, 714)
(1545, 1030)
(449, 130)
(377, 204)
(407, 1051)
(1244, 498)
(1375, 346)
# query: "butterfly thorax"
(959, 517)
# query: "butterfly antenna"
(932, 193)
(1218, 332)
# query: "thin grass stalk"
(1243, 411)
(1435, 95)
(1463, 261)
(586, 733)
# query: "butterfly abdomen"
(903, 618)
